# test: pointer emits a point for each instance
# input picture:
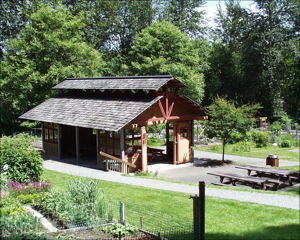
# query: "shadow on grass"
(285, 232)
(208, 162)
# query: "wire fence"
(19, 225)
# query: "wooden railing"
(112, 163)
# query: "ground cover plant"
(225, 219)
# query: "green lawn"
(283, 153)
(225, 219)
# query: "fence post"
(122, 213)
(199, 213)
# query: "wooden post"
(199, 213)
(97, 148)
(77, 144)
(59, 141)
(43, 136)
(192, 139)
(122, 149)
(167, 138)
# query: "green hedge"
(25, 164)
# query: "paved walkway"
(261, 198)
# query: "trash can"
(272, 160)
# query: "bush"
(261, 139)
(288, 138)
(24, 162)
(285, 144)
(242, 147)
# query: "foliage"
(80, 204)
(226, 120)
(119, 230)
(49, 48)
(276, 128)
(23, 161)
(163, 49)
(285, 144)
(260, 138)
(242, 147)
(154, 141)
(17, 188)
(83, 191)
(185, 15)
(176, 208)
(254, 56)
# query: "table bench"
(253, 181)
(281, 174)
(155, 153)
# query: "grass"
(155, 142)
(283, 153)
(225, 219)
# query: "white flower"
(4, 173)
(5, 167)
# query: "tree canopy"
(162, 48)
(49, 48)
(227, 120)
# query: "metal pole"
(122, 213)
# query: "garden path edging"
(46, 224)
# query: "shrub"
(261, 139)
(24, 162)
(242, 147)
(285, 144)
(289, 138)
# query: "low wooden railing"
(112, 163)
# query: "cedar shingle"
(105, 113)
(120, 83)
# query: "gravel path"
(261, 198)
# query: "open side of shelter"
(111, 115)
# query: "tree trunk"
(224, 142)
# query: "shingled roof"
(97, 112)
(120, 83)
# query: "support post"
(199, 213)
(43, 136)
(192, 139)
(77, 144)
(122, 213)
(97, 148)
(167, 138)
(122, 149)
(59, 141)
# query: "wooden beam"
(77, 145)
(117, 159)
(162, 109)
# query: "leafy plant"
(23, 161)
(261, 139)
(119, 230)
(242, 147)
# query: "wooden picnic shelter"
(110, 115)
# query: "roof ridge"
(121, 77)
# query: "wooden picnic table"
(275, 172)
(155, 153)
(253, 181)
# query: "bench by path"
(260, 198)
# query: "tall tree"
(185, 14)
(163, 49)
(48, 49)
